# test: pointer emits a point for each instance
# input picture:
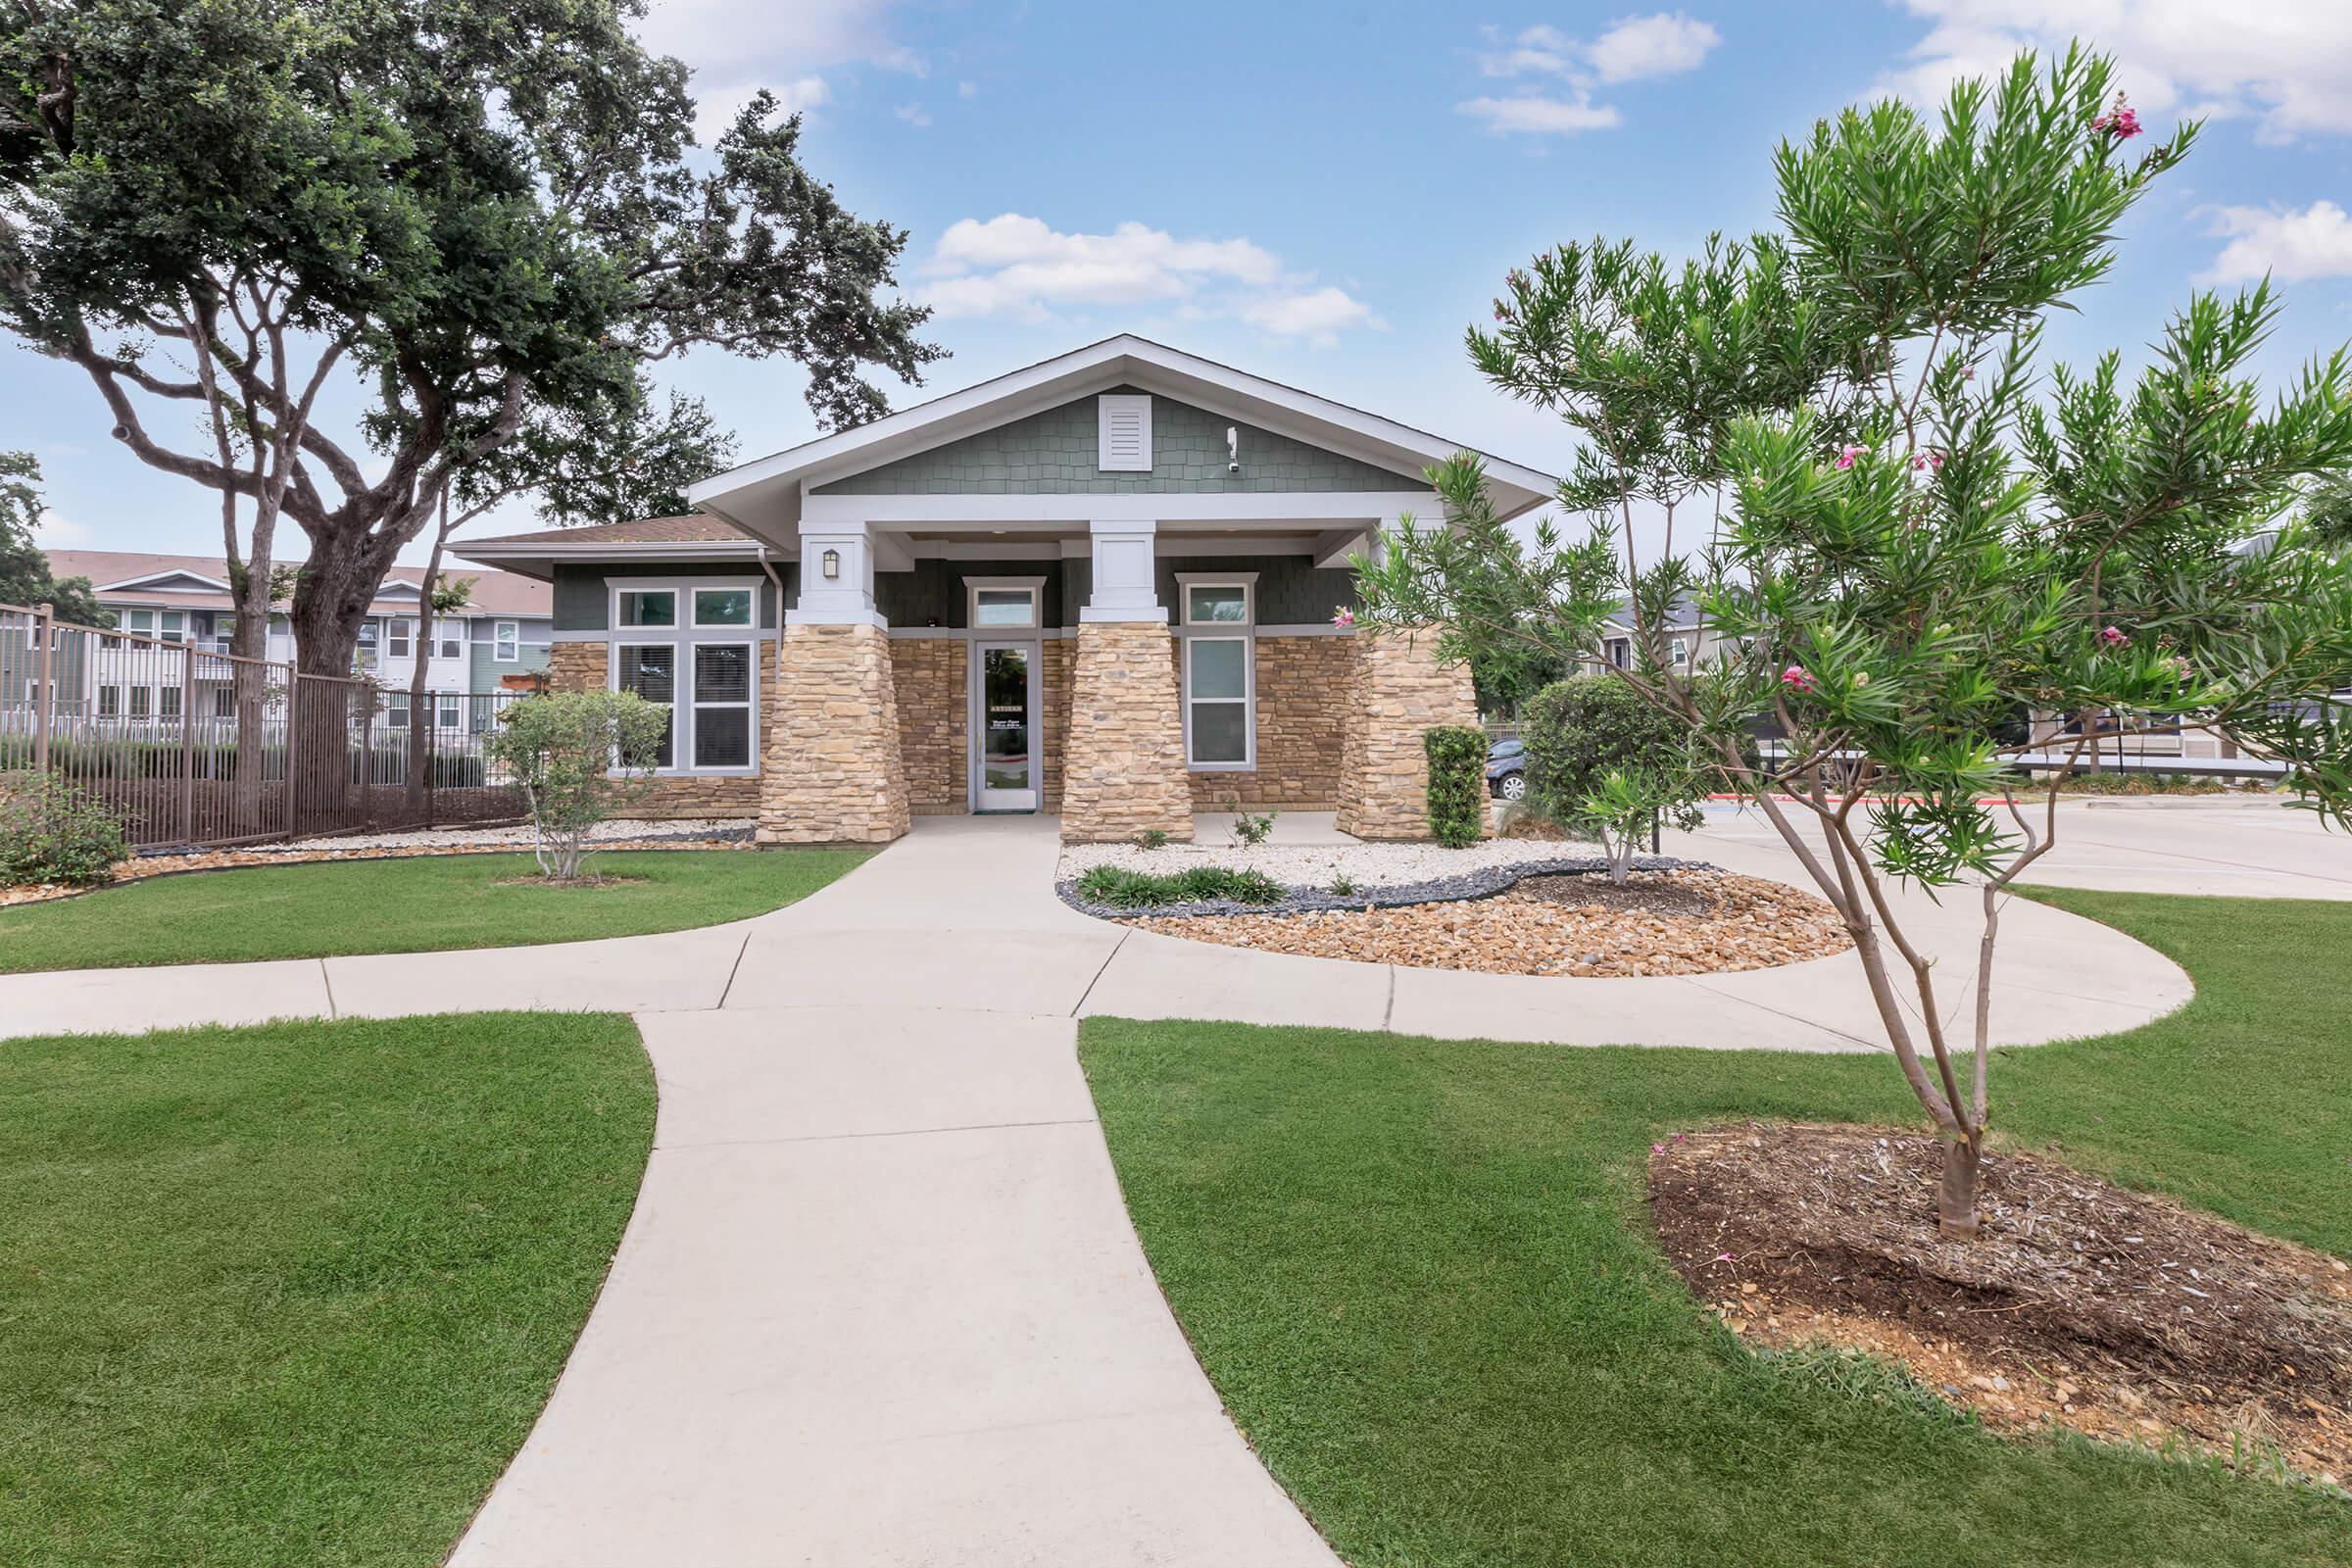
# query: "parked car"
(1507, 770)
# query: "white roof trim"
(153, 579)
(769, 491)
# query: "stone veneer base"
(832, 765)
(1123, 771)
(1400, 691)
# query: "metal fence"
(197, 749)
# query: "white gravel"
(603, 832)
(1316, 866)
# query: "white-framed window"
(1220, 671)
(166, 702)
(109, 702)
(165, 625)
(1002, 604)
(225, 702)
(506, 642)
(397, 634)
(1621, 651)
(396, 711)
(450, 711)
(693, 648)
(142, 701)
(1679, 651)
(449, 637)
(363, 656)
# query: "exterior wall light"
(832, 564)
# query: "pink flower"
(1846, 459)
(2180, 667)
(1968, 372)
(1797, 678)
(1343, 618)
(2121, 121)
(1657, 1148)
(1725, 1258)
(2115, 637)
(1927, 460)
(1499, 312)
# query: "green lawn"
(295, 1294)
(326, 909)
(1421, 1275)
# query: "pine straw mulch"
(1661, 922)
(2114, 1313)
(154, 865)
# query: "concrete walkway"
(879, 1301)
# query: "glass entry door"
(1005, 724)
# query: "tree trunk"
(248, 646)
(1956, 1196)
(331, 598)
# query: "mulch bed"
(154, 865)
(1658, 923)
(2114, 1313)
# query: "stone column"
(1123, 770)
(1398, 690)
(831, 772)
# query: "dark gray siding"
(1291, 591)
(582, 602)
(933, 594)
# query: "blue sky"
(1328, 194)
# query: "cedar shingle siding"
(1055, 453)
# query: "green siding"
(582, 604)
(1053, 453)
(485, 671)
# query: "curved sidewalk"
(879, 1301)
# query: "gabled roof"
(201, 582)
(765, 496)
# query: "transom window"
(1003, 604)
(704, 669)
(1220, 675)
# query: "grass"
(295, 1294)
(1140, 890)
(1420, 1274)
(324, 910)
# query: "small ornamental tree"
(1911, 536)
(1621, 807)
(579, 756)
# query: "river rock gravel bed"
(1684, 920)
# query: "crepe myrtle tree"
(1912, 537)
(579, 756)
(472, 219)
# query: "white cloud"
(1660, 45)
(53, 533)
(968, 89)
(2283, 62)
(1543, 116)
(915, 114)
(715, 110)
(1319, 315)
(1020, 266)
(2291, 246)
(1636, 47)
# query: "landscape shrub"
(1136, 889)
(1579, 730)
(579, 756)
(51, 832)
(1457, 783)
(1250, 829)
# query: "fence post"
(44, 711)
(187, 740)
(293, 729)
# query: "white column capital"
(1125, 573)
(846, 598)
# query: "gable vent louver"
(1123, 434)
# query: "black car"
(1507, 770)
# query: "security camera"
(1232, 450)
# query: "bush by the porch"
(1457, 783)
(1579, 730)
(578, 757)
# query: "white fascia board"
(1280, 508)
(153, 581)
(1117, 360)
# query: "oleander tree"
(1904, 533)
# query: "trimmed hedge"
(1457, 783)
(1580, 729)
